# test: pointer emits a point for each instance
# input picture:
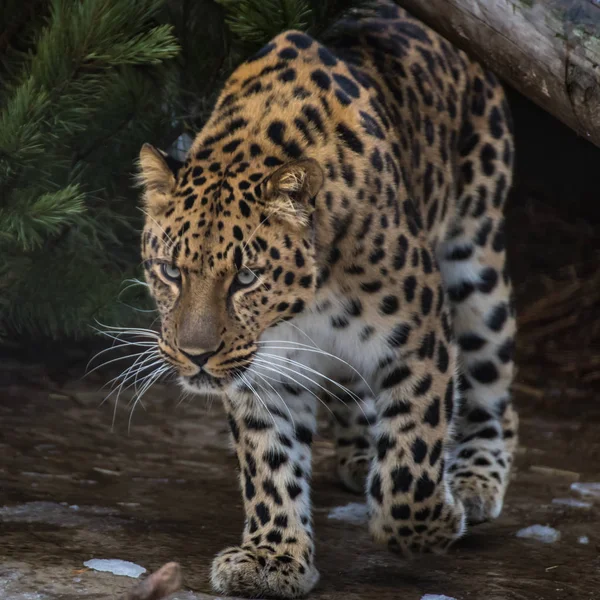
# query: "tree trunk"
(549, 50)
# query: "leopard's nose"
(199, 359)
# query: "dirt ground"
(74, 489)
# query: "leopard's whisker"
(266, 362)
(315, 345)
(357, 399)
(132, 285)
(128, 376)
(184, 395)
(142, 367)
(140, 330)
(255, 393)
(137, 364)
(293, 380)
(113, 346)
(121, 336)
(316, 350)
(123, 342)
(279, 395)
(137, 281)
(108, 362)
(149, 382)
(352, 394)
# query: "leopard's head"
(229, 251)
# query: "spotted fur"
(336, 233)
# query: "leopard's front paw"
(254, 573)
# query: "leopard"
(335, 240)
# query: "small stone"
(540, 533)
(115, 566)
(586, 489)
(351, 513)
(572, 502)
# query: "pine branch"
(29, 223)
(89, 92)
(255, 22)
(22, 127)
(81, 43)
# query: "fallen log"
(549, 50)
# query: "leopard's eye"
(170, 272)
(246, 277)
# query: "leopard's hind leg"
(352, 415)
(472, 259)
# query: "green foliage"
(82, 85)
(257, 21)
(207, 57)
(31, 221)
(88, 91)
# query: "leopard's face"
(224, 263)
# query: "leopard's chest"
(330, 340)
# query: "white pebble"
(351, 513)
(541, 533)
(587, 489)
(584, 539)
(115, 566)
(436, 597)
(572, 502)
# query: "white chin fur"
(201, 388)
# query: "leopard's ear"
(156, 175)
(292, 189)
